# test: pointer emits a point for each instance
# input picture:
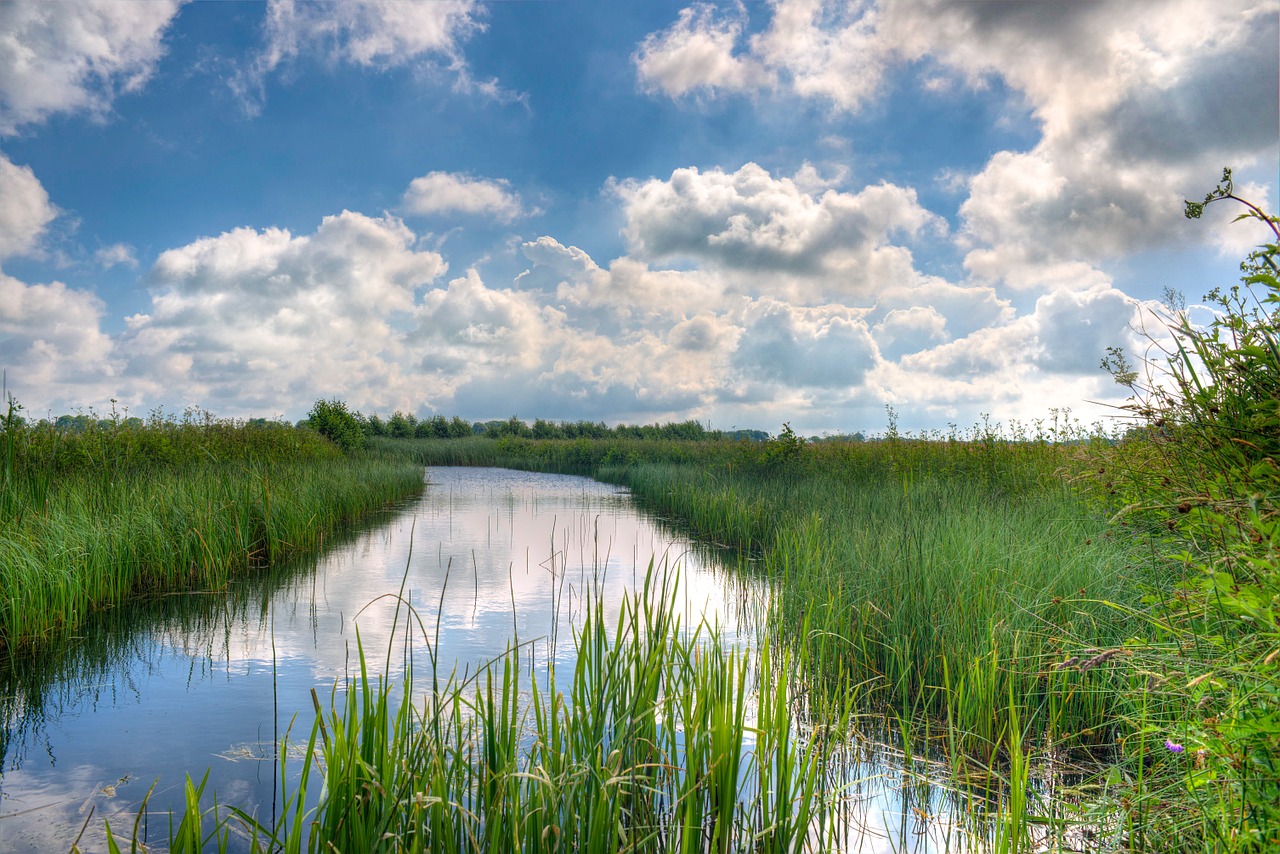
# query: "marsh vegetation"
(1073, 636)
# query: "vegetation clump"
(1199, 480)
(120, 508)
(331, 419)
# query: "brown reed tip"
(1201, 678)
(1100, 658)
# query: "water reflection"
(486, 558)
(176, 685)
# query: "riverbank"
(1112, 600)
(91, 519)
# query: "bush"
(1202, 475)
(332, 419)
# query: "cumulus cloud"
(117, 254)
(52, 343)
(910, 330)
(439, 193)
(469, 327)
(749, 220)
(827, 347)
(697, 54)
(815, 50)
(1061, 341)
(1074, 329)
(250, 318)
(376, 34)
(25, 209)
(1140, 102)
(1139, 105)
(52, 347)
(72, 57)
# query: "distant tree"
(547, 430)
(73, 423)
(401, 426)
(459, 428)
(375, 426)
(332, 419)
(439, 427)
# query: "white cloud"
(826, 347)
(25, 209)
(469, 327)
(70, 57)
(750, 222)
(117, 254)
(910, 330)
(696, 54)
(52, 347)
(371, 33)
(1062, 340)
(250, 318)
(1074, 329)
(440, 193)
(828, 51)
(1140, 103)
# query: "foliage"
(784, 452)
(648, 745)
(905, 564)
(91, 518)
(1200, 481)
(332, 419)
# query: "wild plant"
(648, 745)
(1198, 476)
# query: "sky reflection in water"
(156, 691)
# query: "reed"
(958, 572)
(649, 745)
(90, 520)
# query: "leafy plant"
(332, 419)
(1202, 480)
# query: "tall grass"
(659, 740)
(89, 520)
(950, 575)
(944, 589)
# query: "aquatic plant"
(659, 740)
(90, 519)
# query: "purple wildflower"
(1173, 746)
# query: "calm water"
(213, 681)
(485, 557)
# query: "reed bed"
(659, 740)
(944, 576)
(89, 520)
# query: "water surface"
(486, 558)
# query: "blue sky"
(744, 213)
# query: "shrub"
(1203, 474)
(332, 419)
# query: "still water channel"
(155, 691)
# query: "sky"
(751, 213)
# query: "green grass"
(949, 576)
(90, 520)
(648, 745)
(938, 582)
